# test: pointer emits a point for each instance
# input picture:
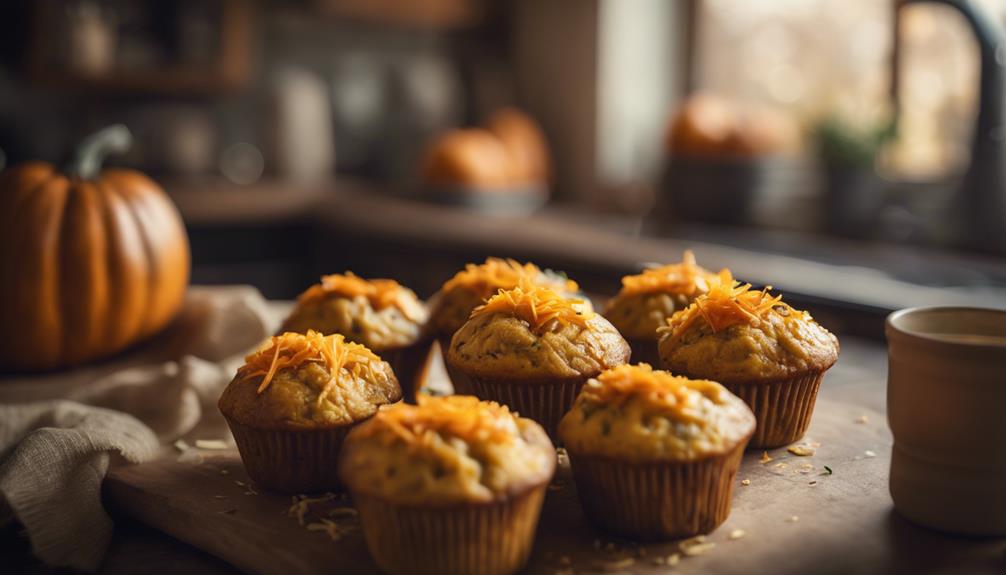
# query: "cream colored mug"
(946, 405)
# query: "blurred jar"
(91, 39)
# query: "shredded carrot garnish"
(496, 274)
(291, 350)
(658, 388)
(536, 305)
(727, 303)
(460, 416)
(686, 278)
(381, 293)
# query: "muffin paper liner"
(644, 351)
(301, 461)
(783, 408)
(409, 365)
(477, 538)
(658, 500)
(544, 401)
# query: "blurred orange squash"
(91, 261)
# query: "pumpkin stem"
(91, 153)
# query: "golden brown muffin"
(471, 157)
(655, 455)
(646, 300)
(381, 314)
(471, 473)
(293, 401)
(531, 349)
(763, 350)
(472, 286)
(525, 145)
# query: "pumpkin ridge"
(126, 286)
(135, 208)
(83, 261)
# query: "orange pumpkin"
(91, 261)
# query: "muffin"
(771, 355)
(647, 300)
(654, 455)
(532, 349)
(294, 400)
(471, 287)
(525, 145)
(451, 485)
(380, 314)
(472, 157)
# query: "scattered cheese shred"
(537, 305)
(464, 417)
(671, 393)
(293, 349)
(381, 293)
(497, 273)
(727, 303)
(684, 278)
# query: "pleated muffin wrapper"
(660, 500)
(491, 538)
(291, 461)
(409, 364)
(543, 400)
(783, 407)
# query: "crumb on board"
(806, 468)
(695, 546)
(869, 453)
(792, 519)
(736, 534)
(801, 450)
(863, 419)
(765, 457)
(745, 482)
(814, 482)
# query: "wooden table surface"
(817, 541)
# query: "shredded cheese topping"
(537, 305)
(727, 303)
(669, 393)
(293, 349)
(686, 278)
(381, 293)
(498, 273)
(461, 416)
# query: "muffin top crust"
(305, 381)
(634, 412)
(378, 313)
(445, 450)
(647, 299)
(470, 287)
(734, 334)
(531, 331)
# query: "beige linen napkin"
(59, 431)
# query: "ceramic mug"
(946, 391)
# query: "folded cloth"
(60, 431)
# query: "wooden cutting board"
(795, 517)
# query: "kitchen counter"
(895, 544)
(847, 274)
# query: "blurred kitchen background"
(848, 151)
